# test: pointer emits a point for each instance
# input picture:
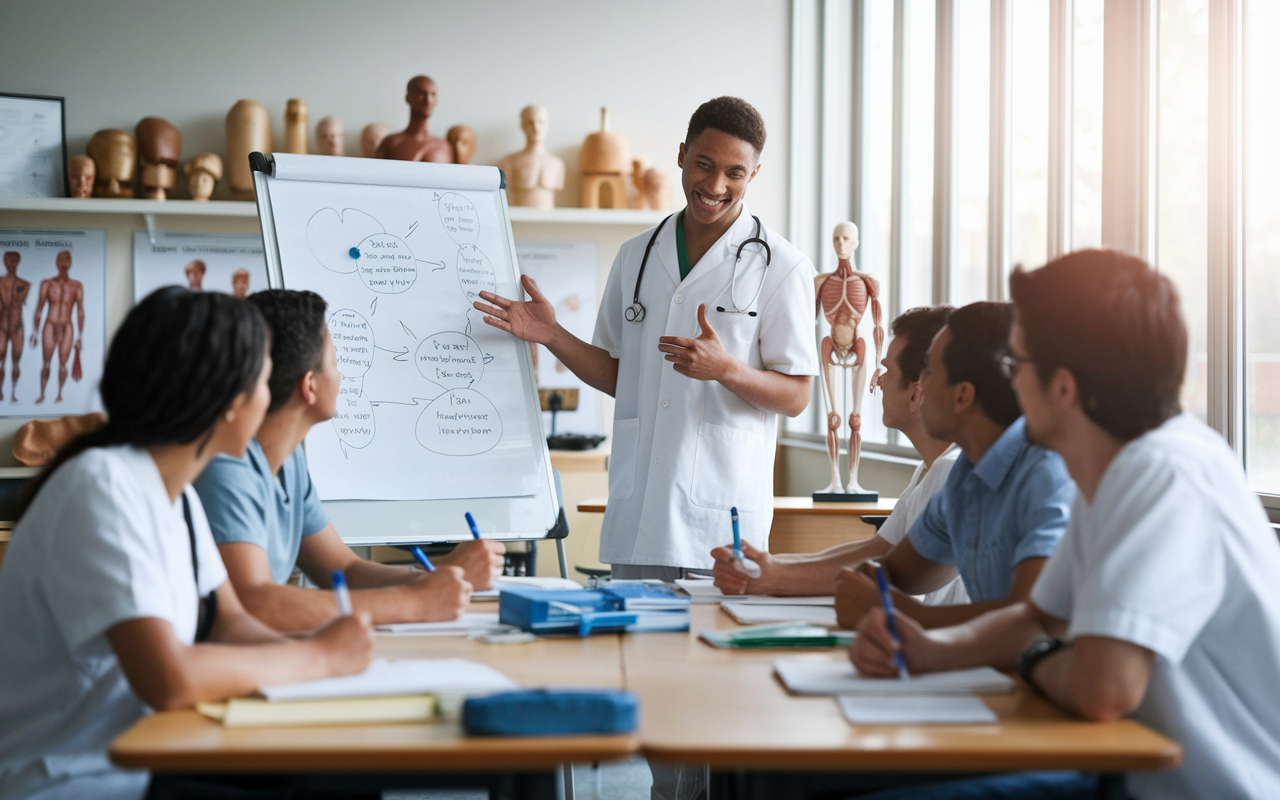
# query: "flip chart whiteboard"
(437, 413)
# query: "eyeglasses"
(1009, 365)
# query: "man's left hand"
(703, 358)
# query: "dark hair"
(1116, 325)
(298, 330)
(917, 327)
(733, 116)
(174, 367)
(979, 340)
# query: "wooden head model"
(331, 136)
(80, 172)
(295, 126)
(415, 143)
(371, 137)
(533, 174)
(202, 173)
(842, 298)
(463, 141)
(605, 161)
(159, 154)
(248, 131)
(115, 156)
(652, 185)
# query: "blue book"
(647, 596)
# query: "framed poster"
(33, 146)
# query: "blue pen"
(751, 568)
(887, 599)
(341, 593)
(422, 559)
(471, 522)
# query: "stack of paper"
(809, 677)
(703, 591)
(467, 625)
(408, 677)
(526, 581)
(870, 709)
(242, 712)
(785, 634)
(781, 610)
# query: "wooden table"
(803, 526)
(699, 706)
(6, 533)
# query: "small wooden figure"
(295, 126)
(159, 155)
(605, 161)
(115, 157)
(331, 136)
(248, 131)
(371, 137)
(533, 174)
(80, 172)
(463, 141)
(202, 173)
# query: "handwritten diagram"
(458, 420)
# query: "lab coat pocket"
(730, 468)
(737, 332)
(622, 461)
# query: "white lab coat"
(685, 451)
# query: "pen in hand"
(751, 568)
(471, 523)
(887, 600)
(422, 559)
(341, 594)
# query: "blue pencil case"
(551, 712)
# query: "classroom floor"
(627, 780)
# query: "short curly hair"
(732, 115)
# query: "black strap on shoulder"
(208, 613)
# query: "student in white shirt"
(807, 574)
(101, 594)
(1162, 600)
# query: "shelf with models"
(240, 208)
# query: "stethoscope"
(635, 311)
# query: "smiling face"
(715, 170)
(421, 96)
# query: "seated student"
(1161, 601)
(1005, 503)
(901, 399)
(266, 515)
(101, 594)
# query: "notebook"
(703, 591)
(757, 613)
(877, 709)
(814, 677)
(408, 677)
(523, 580)
(782, 634)
(467, 625)
(245, 712)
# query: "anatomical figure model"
(843, 297)
(463, 141)
(415, 143)
(80, 174)
(533, 174)
(64, 295)
(13, 296)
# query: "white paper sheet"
(756, 613)
(466, 625)
(412, 676)
(211, 262)
(528, 582)
(865, 709)
(35, 253)
(820, 677)
(433, 403)
(31, 147)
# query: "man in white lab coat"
(705, 334)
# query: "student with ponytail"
(113, 598)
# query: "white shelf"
(240, 208)
(19, 472)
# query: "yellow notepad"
(243, 712)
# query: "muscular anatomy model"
(13, 296)
(842, 297)
(63, 295)
(415, 143)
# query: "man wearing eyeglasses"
(1006, 502)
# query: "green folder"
(777, 634)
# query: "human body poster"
(210, 262)
(52, 321)
(432, 403)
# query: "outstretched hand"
(702, 358)
(533, 320)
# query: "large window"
(971, 116)
(1029, 84)
(1086, 131)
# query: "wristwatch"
(1036, 652)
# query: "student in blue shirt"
(1006, 502)
(266, 515)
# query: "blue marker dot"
(354, 252)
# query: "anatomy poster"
(432, 403)
(566, 276)
(52, 321)
(210, 262)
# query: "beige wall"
(652, 63)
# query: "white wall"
(650, 62)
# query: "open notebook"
(824, 677)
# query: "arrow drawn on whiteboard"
(343, 448)
(413, 401)
(435, 196)
(439, 264)
(373, 307)
(406, 330)
(398, 355)
(488, 357)
(412, 228)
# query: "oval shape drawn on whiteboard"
(332, 236)
(386, 264)
(353, 340)
(460, 422)
(475, 273)
(353, 418)
(459, 218)
(450, 359)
